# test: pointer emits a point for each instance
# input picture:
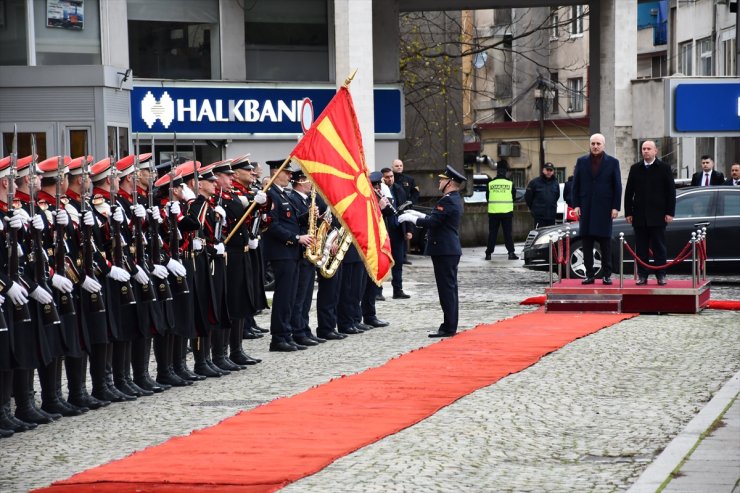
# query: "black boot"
(140, 358)
(166, 376)
(75, 381)
(179, 361)
(120, 362)
(50, 401)
(201, 366)
(97, 375)
(7, 420)
(218, 349)
(25, 406)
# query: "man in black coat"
(542, 197)
(708, 176)
(650, 204)
(397, 232)
(734, 178)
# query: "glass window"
(13, 33)
(287, 40)
(704, 57)
(170, 50)
(67, 33)
(728, 56)
(555, 107)
(684, 58)
(575, 95)
(24, 144)
(730, 204)
(118, 142)
(659, 66)
(78, 142)
(693, 205)
(554, 19)
(576, 19)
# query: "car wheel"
(269, 278)
(575, 263)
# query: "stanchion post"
(693, 260)
(705, 250)
(550, 257)
(567, 251)
(560, 254)
(621, 260)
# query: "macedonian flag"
(332, 157)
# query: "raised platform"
(677, 296)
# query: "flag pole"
(349, 79)
(254, 204)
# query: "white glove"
(159, 271)
(91, 285)
(22, 214)
(16, 221)
(2, 299)
(118, 274)
(220, 249)
(197, 244)
(2, 226)
(17, 294)
(139, 211)
(154, 211)
(220, 211)
(187, 194)
(407, 217)
(61, 283)
(416, 213)
(253, 243)
(37, 222)
(174, 208)
(140, 276)
(88, 219)
(62, 217)
(118, 215)
(41, 295)
(260, 197)
(176, 268)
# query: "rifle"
(20, 312)
(155, 257)
(181, 283)
(147, 290)
(66, 302)
(95, 302)
(126, 293)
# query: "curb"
(680, 447)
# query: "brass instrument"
(324, 237)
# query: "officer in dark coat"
(649, 204)
(443, 245)
(282, 242)
(542, 197)
(597, 196)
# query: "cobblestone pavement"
(589, 417)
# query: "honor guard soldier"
(372, 290)
(239, 293)
(282, 242)
(246, 185)
(90, 299)
(173, 196)
(443, 245)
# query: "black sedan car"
(716, 208)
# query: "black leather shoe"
(331, 336)
(607, 281)
(304, 341)
(104, 394)
(217, 368)
(282, 347)
(204, 369)
(6, 433)
(376, 322)
(487, 257)
(173, 380)
(379, 297)
(641, 281)
(242, 358)
(299, 347)
(513, 256)
(226, 364)
(144, 384)
(662, 281)
(400, 295)
(364, 327)
(441, 334)
(588, 280)
(251, 334)
(138, 391)
(257, 328)
(316, 339)
(350, 330)
(83, 399)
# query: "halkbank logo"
(153, 110)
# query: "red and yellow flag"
(332, 157)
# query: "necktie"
(706, 179)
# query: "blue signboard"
(257, 111)
(707, 107)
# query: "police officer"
(501, 196)
(542, 197)
(443, 245)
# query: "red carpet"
(713, 304)
(263, 450)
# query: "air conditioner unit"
(506, 149)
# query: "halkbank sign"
(247, 111)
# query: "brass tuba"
(319, 252)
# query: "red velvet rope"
(677, 260)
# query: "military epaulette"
(43, 204)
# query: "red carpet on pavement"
(266, 448)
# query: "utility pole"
(540, 98)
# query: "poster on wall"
(65, 14)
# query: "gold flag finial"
(349, 79)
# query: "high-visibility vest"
(499, 196)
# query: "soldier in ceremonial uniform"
(239, 294)
(443, 245)
(372, 290)
(282, 242)
(306, 270)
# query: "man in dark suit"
(597, 195)
(708, 176)
(443, 245)
(282, 242)
(734, 178)
(650, 204)
(397, 232)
